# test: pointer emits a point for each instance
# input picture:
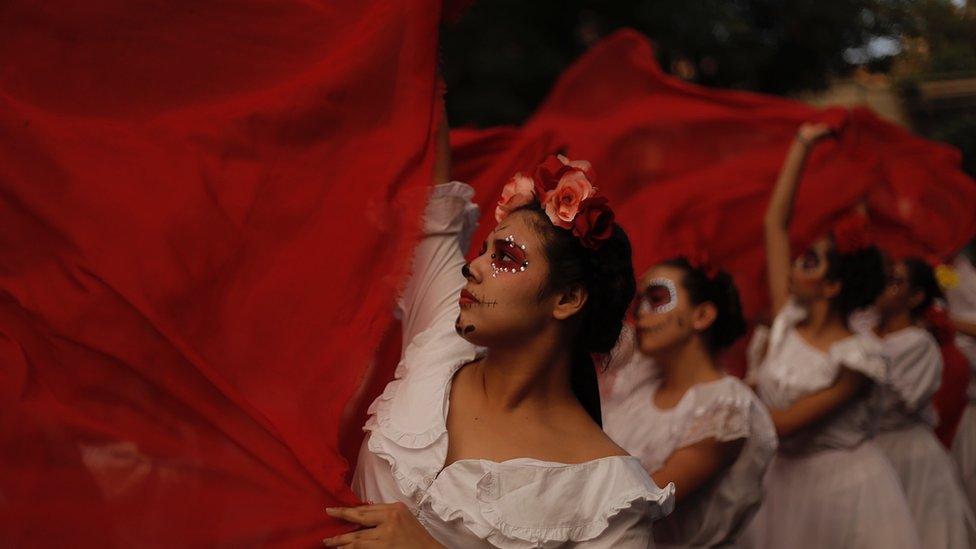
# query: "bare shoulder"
(585, 440)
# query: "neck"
(532, 373)
(821, 317)
(687, 365)
(892, 322)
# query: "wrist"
(802, 141)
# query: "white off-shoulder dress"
(962, 306)
(928, 474)
(472, 503)
(724, 410)
(829, 484)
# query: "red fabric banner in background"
(688, 168)
(205, 211)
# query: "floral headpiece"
(564, 189)
(851, 233)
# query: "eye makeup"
(809, 261)
(508, 256)
(660, 296)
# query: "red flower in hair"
(851, 233)
(699, 259)
(593, 224)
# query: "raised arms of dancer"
(692, 466)
(779, 211)
(431, 295)
(813, 407)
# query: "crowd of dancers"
(545, 398)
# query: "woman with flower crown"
(829, 484)
(489, 435)
(667, 402)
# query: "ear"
(832, 288)
(569, 302)
(703, 316)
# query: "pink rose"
(581, 165)
(519, 191)
(563, 202)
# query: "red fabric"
(205, 211)
(687, 167)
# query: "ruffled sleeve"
(604, 503)
(861, 354)
(788, 317)
(431, 295)
(916, 368)
(721, 412)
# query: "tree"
(501, 58)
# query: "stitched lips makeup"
(467, 299)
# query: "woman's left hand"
(387, 525)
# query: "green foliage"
(501, 58)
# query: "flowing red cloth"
(688, 168)
(206, 209)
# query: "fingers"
(365, 515)
(358, 539)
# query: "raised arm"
(431, 295)
(778, 213)
(813, 407)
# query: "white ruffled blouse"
(914, 374)
(725, 409)
(519, 503)
(792, 368)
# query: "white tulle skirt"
(834, 498)
(932, 488)
(964, 452)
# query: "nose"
(471, 271)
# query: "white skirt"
(929, 477)
(964, 451)
(834, 498)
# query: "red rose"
(593, 224)
(547, 175)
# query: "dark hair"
(921, 278)
(861, 275)
(729, 324)
(608, 276)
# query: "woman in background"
(829, 484)
(667, 402)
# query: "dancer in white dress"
(928, 474)
(962, 308)
(666, 401)
(829, 484)
(489, 434)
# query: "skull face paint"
(508, 257)
(660, 296)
